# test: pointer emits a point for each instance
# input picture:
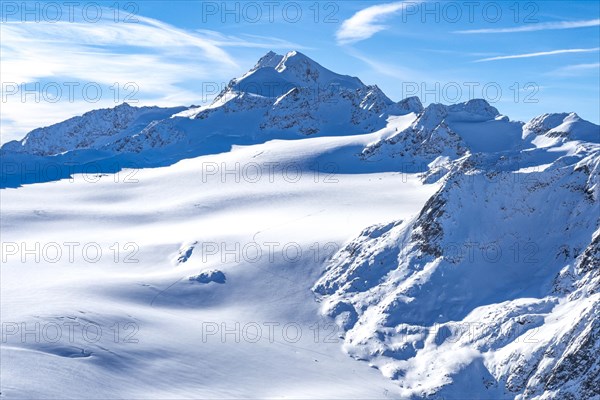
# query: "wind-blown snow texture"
(476, 274)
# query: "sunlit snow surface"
(163, 209)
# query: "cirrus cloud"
(539, 54)
(545, 26)
(366, 22)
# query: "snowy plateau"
(302, 236)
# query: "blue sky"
(526, 58)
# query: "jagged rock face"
(426, 139)
(157, 134)
(476, 109)
(410, 105)
(494, 283)
(271, 59)
(301, 109)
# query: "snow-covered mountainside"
(444, 133)
(495, 282)
(451, 251)
(93, 130)
(548, 129)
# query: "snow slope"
(163, 211)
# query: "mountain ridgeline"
(282, 97)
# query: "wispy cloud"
(366, 22)
(392, 70)
(460, 53)
(545, 26)
(576, 69)
(166, 63)
(249, 40)
(539, 54)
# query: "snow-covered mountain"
(467, 262)
(294, 93)
(495, 282)
(280, 97)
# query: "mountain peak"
(411, 104)
(271, 59)
(566, 126)
(274, 75)
(281, 62)
(293, 58)
(475, 107)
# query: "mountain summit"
(275, 75)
